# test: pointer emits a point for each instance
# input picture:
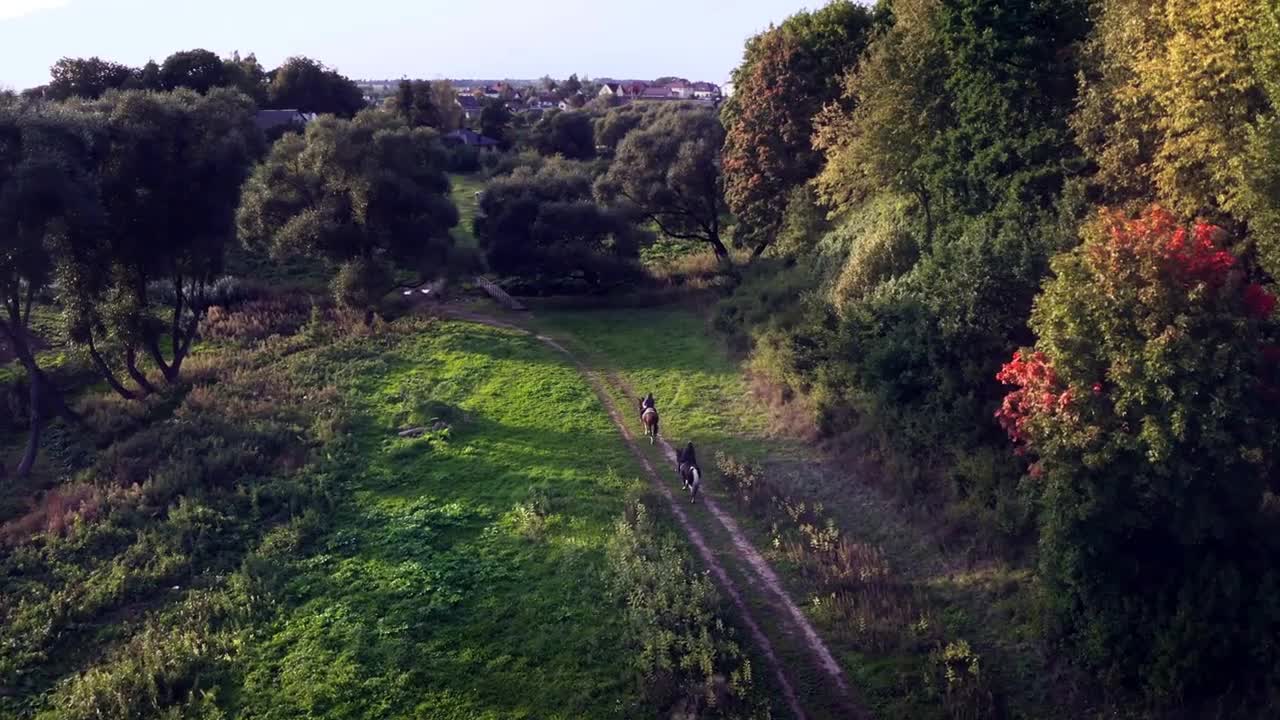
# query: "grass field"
(265, 545)
(463, 195)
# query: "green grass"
(463, 194)
(440, 594)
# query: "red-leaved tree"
(1148, 409)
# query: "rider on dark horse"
(647, 403)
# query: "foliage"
(169, 179)
(789, 73)
(308, 86)
(199, 70)
(668, 172)
(544, 222)
(415, 102)
(495, 120)
(86, 78)
(1149, 407)
(370, 190)
(613, 126)
(46, 206)
(685, 655)
(1178, 109)
(566, 133)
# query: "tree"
(495, 119)
(47, 210)
(1149, 408)
(370, 193)
(544, 222)
(246, 75)
(877, 140)
(614, 125)
(415, 102)
(169, 178)
(668, 171)
(86, 78)
(1176, 108)
(571, 87)
(446, 102)
(308, 86)
(199, 70)
(567, 133)
(790, 72)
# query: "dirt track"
(775, 595)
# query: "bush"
(1149, 409)
(461, 158)
(686, 657)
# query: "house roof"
(469, 102)
(470, 137)
(268, 119)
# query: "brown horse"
(649, 416)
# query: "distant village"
(537, 96)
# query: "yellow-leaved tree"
(1179, 106)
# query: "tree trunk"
(108, 375)
(721, 251)
(131, 365)
(54, 397)
(33, 436)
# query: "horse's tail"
(696, 484)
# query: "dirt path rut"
(764, 575)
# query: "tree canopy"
(668, 171)
(789, 74)
(369, 193)
(308, 86)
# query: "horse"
(649, 416)
(690, 473)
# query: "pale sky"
(697, 39)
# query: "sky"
(374, 39)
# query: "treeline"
(300, 83)
(1035, 247)
(118, 214)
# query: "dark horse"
(649, 416)
(690, 473)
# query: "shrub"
(685, 655)
(1148, 408)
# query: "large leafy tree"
(415, 102)
(369, 193)
(48, 211)
(308, 86)
(495, 121)
(876, 141)
(668, 171)
(200, 70)
(789, 73)
(86, 78)
(446, 102)
(1180, 107)
(614, 125)
(169, 178)
(568, 133)
(545, 222)
(1149, 408)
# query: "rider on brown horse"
(649, 416)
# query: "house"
(277, 122)
(471, 139)
(612, 90)
(704, 90)
(471, 107)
